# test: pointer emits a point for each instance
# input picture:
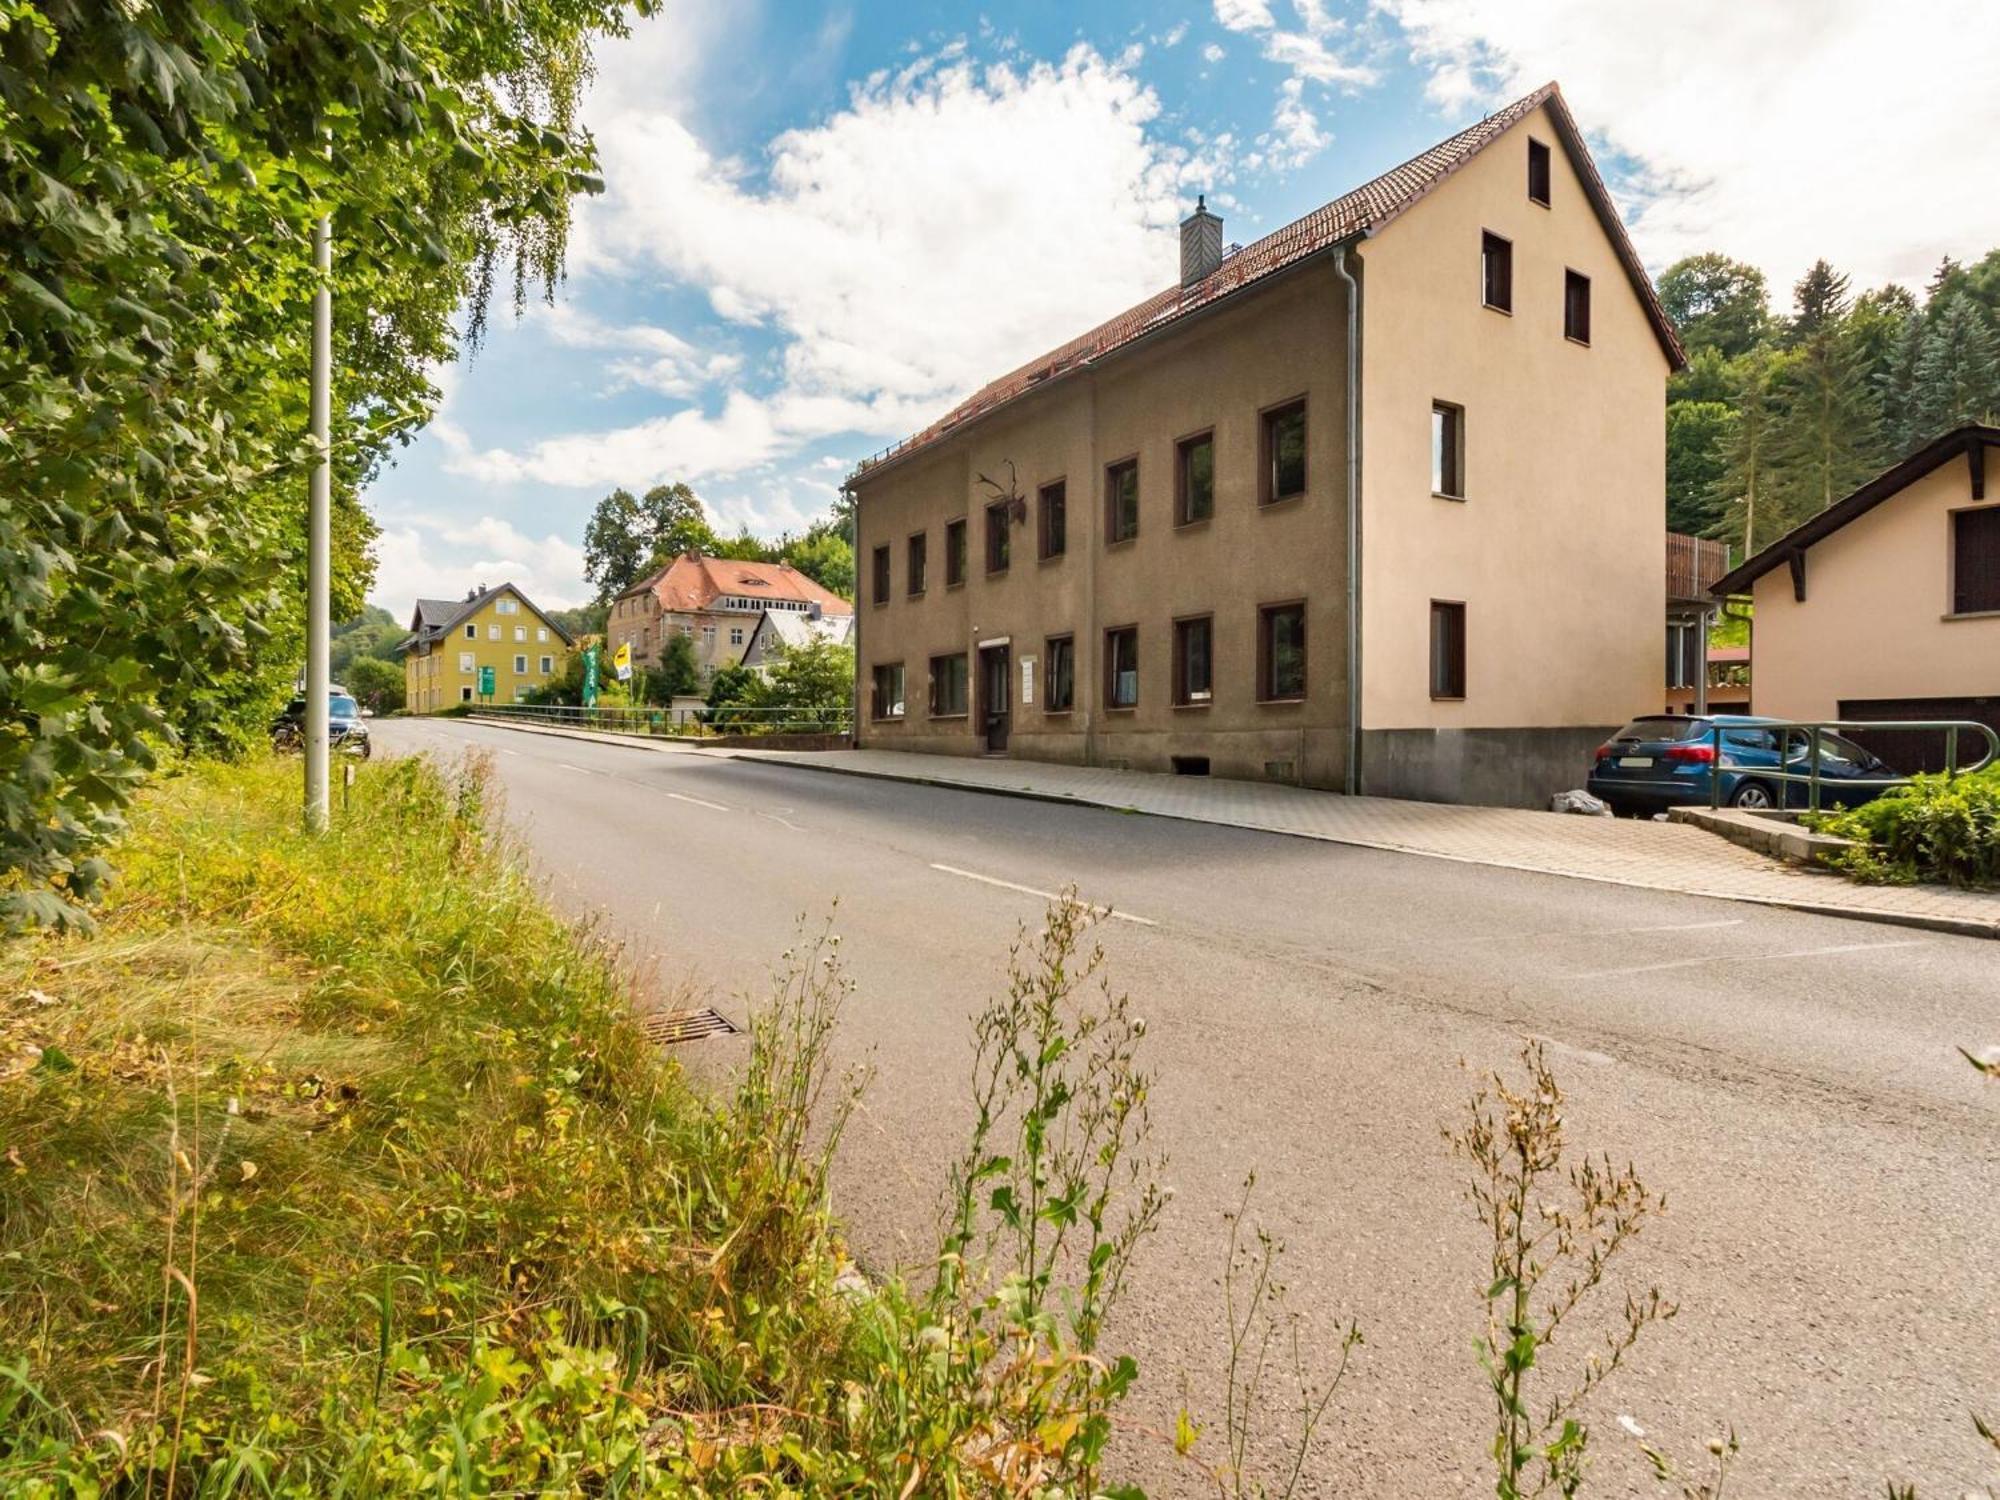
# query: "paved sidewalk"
(1657, 856)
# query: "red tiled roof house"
(715, 602)
(1373, 503)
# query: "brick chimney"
(1201, 243)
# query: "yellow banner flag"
(621, 659)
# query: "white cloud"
(441, 560)
(953, 220)
(1312, 53)
(645, 355)
(1214, 52)
(1174, 36)
(1776, 133)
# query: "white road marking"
(786, 821)
(1028, 890)
(1681, 927)
(1744, 958)
(580, 770)
(711, 806)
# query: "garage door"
(1917, 750)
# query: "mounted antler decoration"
(1017, 503)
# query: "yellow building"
(454, 643)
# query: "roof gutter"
(1353, 446)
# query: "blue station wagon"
(1669, 760)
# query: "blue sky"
(824, 222)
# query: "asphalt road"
(1790, 1082)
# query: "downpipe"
(1353, 445)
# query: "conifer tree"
(1819, 302)
(1902, 421)
(1740, 496)
(1827, 437)
(1957, 373)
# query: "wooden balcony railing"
(1693, 564)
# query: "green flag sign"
(486, 682)
(590, 677)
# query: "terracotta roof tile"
(693, 582)
(1361, 212)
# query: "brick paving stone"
(1657, 856)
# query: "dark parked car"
(345, 730)
(1667, 760)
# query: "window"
(736, 635)
(1576, 307)
(888, 699)
(472, 632)
(548, 665)
(1975, 561)
(542, 635)
(465, 661)
(1447, 649)
(708, 636)
(1538, 173)
(520, 632)
(881, 594)
(999, 543)
(948, 686)
(1683, 647)
(1496, 272)
(520, 666)
(919, 562)
(1284, 452)
(492, 632)
(1059, 674)
(954, 553)
(1194, 478)
(1054, 509)
(1194, 662)
(465, 695)
(1447, 450)
(507, 607)
(1121, 501)
(1281, 652)
(1121, 667)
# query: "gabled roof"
(1365, 211)
(436, 618)
(790, 628)
(1971, 441)
(692, 582)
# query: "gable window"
(492, 632)
(948, 686)
(1447, 649)
(919, 563)
(1194, 478)
(520, 632)
(506, 607)
(1281, 652)
(520, 666)
(1447, 450)
(1121, 667)
(1121, 501)
(1538, 173)
(472, 632)
(881, 583)
(541, 635)
(887, 702)
(1975, 560)
(1576, 307)
(465, 661)
(1058, 674)
(1496, 272)
(954, 553)
(999, 539)
(1194, 662)
(1054, 519)
(1284, 452)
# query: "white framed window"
(520, 632)
(548, 665)
(492, 632)
(465, 661)
(542, 635)
(465, 695)
(472, 632)
(520, 666)
(508, 607)
(736, 635)
(708, 635)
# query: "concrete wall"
(435, 680)
(1876, 621)
(1555, 549)
(1220, 371)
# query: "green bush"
(1936, 828)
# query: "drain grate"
(671, 1028)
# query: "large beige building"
(1374, 503)
(715, 602)
(1886, 605)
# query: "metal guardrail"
(1810, 729)
(676, 723)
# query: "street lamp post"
(319, 531)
